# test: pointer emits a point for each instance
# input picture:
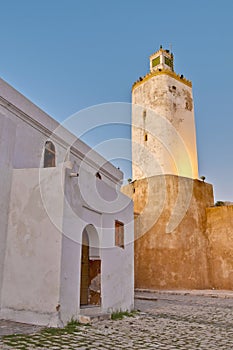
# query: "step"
(145, 297)
(85, 319)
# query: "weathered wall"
(41, 233)
(89, 201)
(118, 269)
(32, 264)
(220, 253)
(7, 137)
(170, 224)
(163, 109)
(34, 127)
(43, 252)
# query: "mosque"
(73, 238)
(66, 230)
(182, 240)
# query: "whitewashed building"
(66, 230)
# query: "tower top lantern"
(162, 59)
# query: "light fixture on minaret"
(162, 59)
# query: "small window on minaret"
(168, 62)
(156, 61)
(145, 137)
(98, 175)
(144, 114)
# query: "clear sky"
(73, 54)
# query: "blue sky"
(70, 55)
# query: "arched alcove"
(49, 155)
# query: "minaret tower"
(163, 126)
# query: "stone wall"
(163, 128)
(220, 252)
(170, 232)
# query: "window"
(145, 137)
(168, 62)
(119, 234)
(156, 61)
(98, 176)
(49, 155)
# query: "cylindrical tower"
(163, 126)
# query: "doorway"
(84, 270)
(90, 282)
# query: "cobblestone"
(186, 322)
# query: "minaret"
(163, 126)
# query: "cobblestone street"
(165, 321)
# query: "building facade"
(163, 125)
(66, 230)
(181, 239)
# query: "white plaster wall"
(169, 122)
(117, 278)
(7, 137)
(32, 263)
(41, 276)
(92, 202)
(35, 127)
(70, 279)
(74, 226)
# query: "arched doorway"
(84, 270)
(90, 282)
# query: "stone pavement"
(9, 328)
(167, 321)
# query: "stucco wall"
(41, 231)
(220, 253)
(32, 263)
(34, 127)
(93, 202)
(170, 224)
(7, 137)
(118, 270)
(47, 216)
(169, 123)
